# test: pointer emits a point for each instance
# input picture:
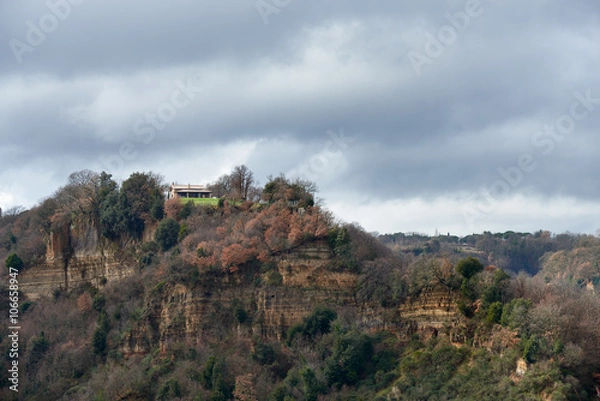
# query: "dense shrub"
(263, 354)
(496, 291)
(167, 233)
(468, 289)
(514, 313)
(468, 267)
(214, 377)
(183, 232)
(186, 210)
(494, 313)
(317, 323)
(98, 302)
(240, 313)
(14, 261)
(169, 390)
(38, 346)
(99, 339)
(352, 354)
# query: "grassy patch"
(209, 201)
(201, 201)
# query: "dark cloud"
(272, 92)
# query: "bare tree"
(80, 191)
(242, 179)
(222, 187)
(254, 193)
(79, 196)
(15, 211)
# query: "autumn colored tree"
(236, 254)
(261, 234)
(172, 208)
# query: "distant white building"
(188, 191)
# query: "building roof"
(188, 188)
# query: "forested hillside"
(264, 295)
(514, 251)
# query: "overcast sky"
(460, 116)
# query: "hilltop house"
(188, 191)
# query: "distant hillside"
(510, 250)
(580, 265)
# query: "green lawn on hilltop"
(202, 201)
(209, 201)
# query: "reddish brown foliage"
(172, 208)
(258, 235)
(84, 302)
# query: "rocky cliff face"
(431, 312)
(42, 280)
(184, 314)
(75, 254)
(275, 300)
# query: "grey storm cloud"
(439, 97)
